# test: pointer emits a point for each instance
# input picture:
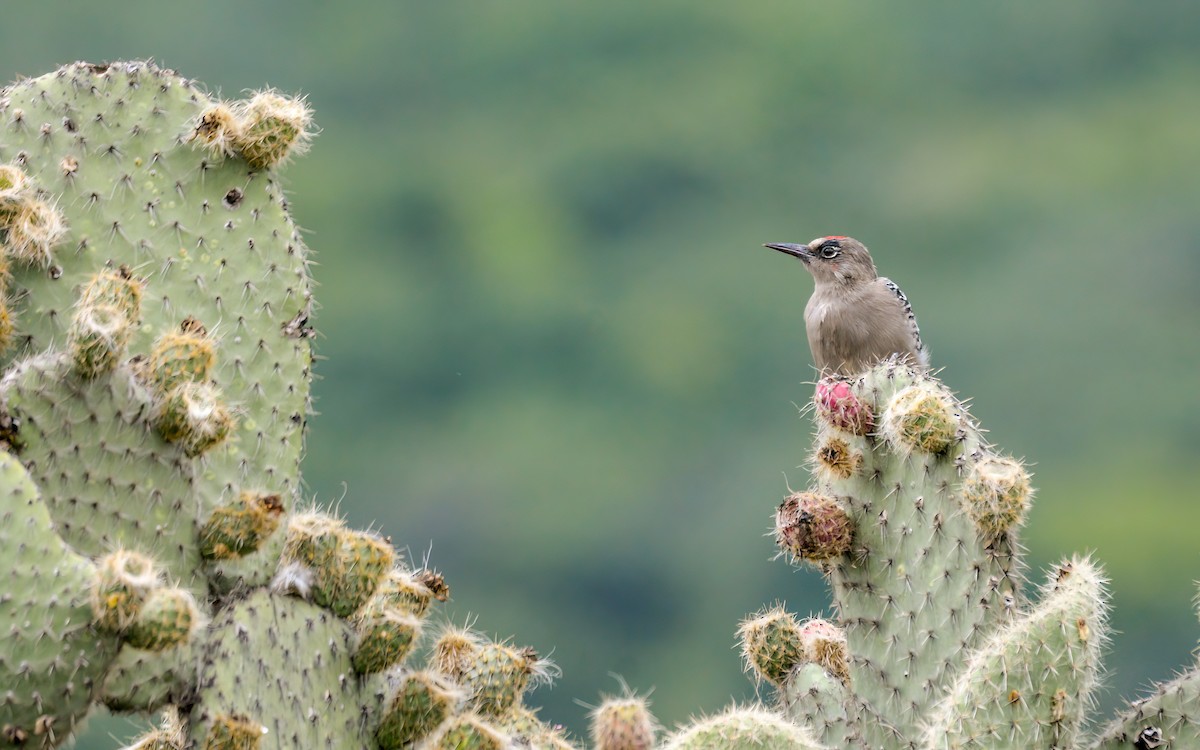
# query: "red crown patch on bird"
(837, 237)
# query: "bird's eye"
(829, 251)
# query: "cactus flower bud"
(837, 405)
(812, 527)
(771, 644)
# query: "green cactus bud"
(466, 732)
(167, 618)
(185, 356)
(335, 566)
(814, 527)
(34, 228)
(217, 128)
(240, 527)
(385, 638)
(454, 651)
(522, 727)
(520, 724)
(14, 185)
(837, 459)
(810, 666)
(312, 538)
(123, 582)
(353, 574)
(623, 724)
(434, 581)
(234, 732)
(497, 676)
(751, 728)
(194, 416)
(771, 644)
(271, 128)
(415, 706)
(119, 288)
(996, 494)
(98, 338)
(920, 418)
(409, 591)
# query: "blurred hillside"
(559, 363)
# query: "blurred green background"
(559, 363)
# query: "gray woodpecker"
(855, 317)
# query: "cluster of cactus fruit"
(154, 299)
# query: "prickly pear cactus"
(154, 299)
(913, 519)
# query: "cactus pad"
(51, 659)
(743, 729)
(112, 145)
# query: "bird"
(855, 317)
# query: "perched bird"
(855, 317)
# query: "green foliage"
(167, 618)
(623, 723)
(240, 526)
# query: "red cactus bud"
(825, 643)
(812, 527)
(815, 628)
(837, 405)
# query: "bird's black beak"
(797, 251)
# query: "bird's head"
(834, 260)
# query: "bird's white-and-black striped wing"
(922, 355)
